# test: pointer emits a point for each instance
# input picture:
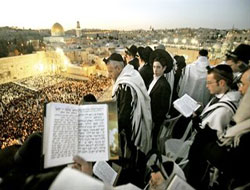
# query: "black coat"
(233, 162)
(147, 74)
(160, 97)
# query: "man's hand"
(157, 181)
(82, 165)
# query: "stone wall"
(18, 67)
(41, 63)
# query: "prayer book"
(186, 105)
(89, 130)
(105, 172)
(73, 179)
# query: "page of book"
(105, 172)
(128, 186)
(93, 142)
(72, 179)
(178, 183)
(60, 134)
(186, 105)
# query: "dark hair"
(203, 52)
(222, 72)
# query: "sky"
(126, 14)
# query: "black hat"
(131, 51)
(160, 46)
(180, 61)
(162, 53)
(225, 71)
(140, 49)
(144, 53)
(242, 52)
(114, 57)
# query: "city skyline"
(127, 14)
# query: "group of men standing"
(200, 81)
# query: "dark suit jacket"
(160, 97)
(147, 74)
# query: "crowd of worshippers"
(22, 103)
(146, 82)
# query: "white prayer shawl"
(242, 118)
(193, 81)
(141, 114)
(170, 78)
(219, 115)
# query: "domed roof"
(57, 30)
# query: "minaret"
(78, 30)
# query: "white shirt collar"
(152, 84)
(219, 95)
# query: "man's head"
(144, 53)
(115, 64)
(131, 53)
(239, 58)
(203, 52)
(180, 62)
(159, 66)
(219, 79)
(244, 82)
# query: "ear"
(222, 82)
(164, 68)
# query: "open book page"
(128, 186)
(72, 179)
(186, 105)
(105, 172)
(118, 170)
(60, 134)
(93, 132)
(177, 182)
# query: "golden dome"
(57, 30)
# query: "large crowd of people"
(216, 156)
(22, 102)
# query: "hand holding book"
(186, 105)
(82, 165)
